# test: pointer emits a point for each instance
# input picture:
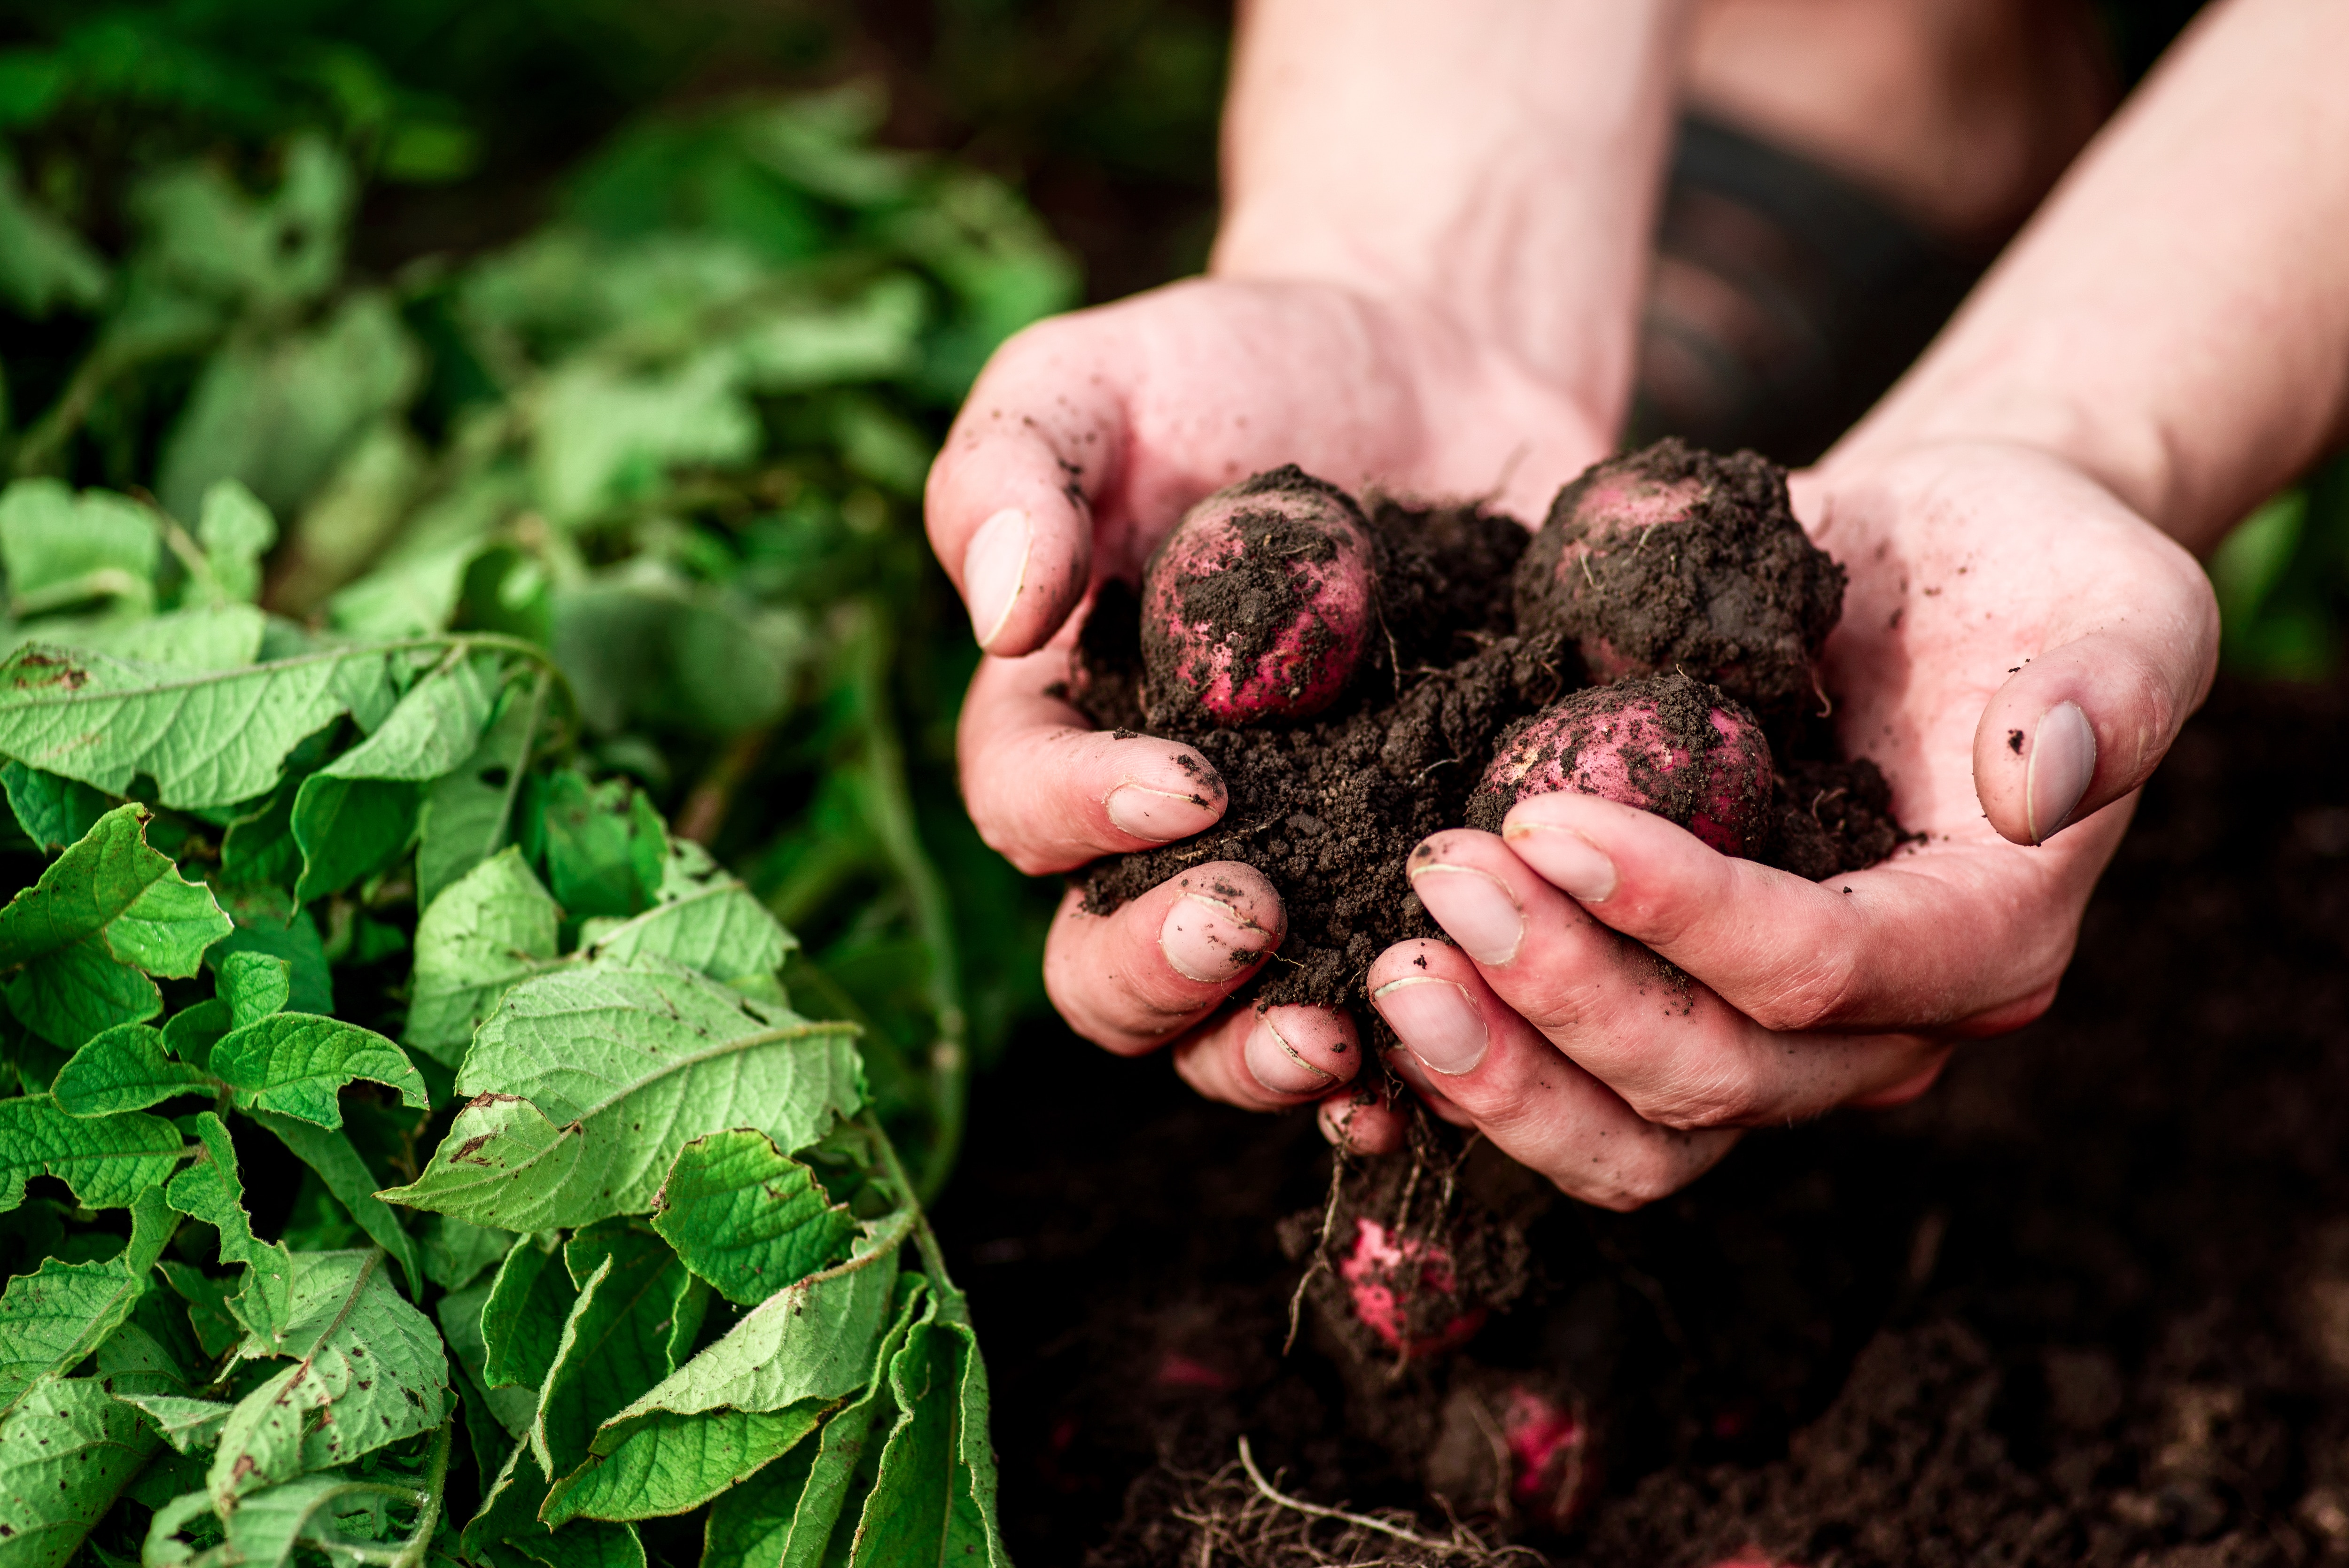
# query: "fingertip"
(1358, 1121)
(1023, 574)
(1298, 1050)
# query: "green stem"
(436, 1476)
(926, 1240)
(890, 807)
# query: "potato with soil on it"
(1666, 744)
(1259, 606)
(1672, 558)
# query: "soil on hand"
(1699, 562)
(2086, 1303)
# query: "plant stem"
(926, 1240)
(436, 1478)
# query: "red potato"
(1665, 744)
(1406, 1292)
(1259, 605)
(1549, 1473)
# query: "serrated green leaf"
(207, 738)
(54, 812)
(293, 1063)
(521, 1321)
(363, 1355)
(602, 846)
(110, 885)
(69, 996)
(61, 549)
(703, 918)
(128, 1068)
(589, 1080)
(788, 1516)
(348, 829)
(190, 1426)
(617, 1340)
(53, 1317)
(212, 1189)
(106, 1161)
(65, 1451)
(488, 932)
(236, 531)
(468, 813)
(347, 1176)
(747, 1217)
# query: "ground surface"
(2087, 1303)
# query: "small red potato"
(1406, 1292)
(1259, 606)
(1665, 744)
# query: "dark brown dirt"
(2087, 1303)
(1329, 807)
(1673, 558)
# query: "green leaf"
(934, 1498)
(589, 1080)
(54, 812)
(236, 531)
(347, 1176)
(208, 737)
(110, 885)
(106, 1161)
(254, 986)
(468, 812)
(787, 1516)
(61, 550)
(191, 1033)
(348, 829)
(212, 1189)
(53, 1317)
(435, 727)
(455, 1252)
(675, 1464)
(360, 1352)
(128, 1068)
(615, 1342)
(43, 263)
(521, 1321)
(293, 1063)
(509, 1410)
(602, 846)
(646, 644)
(703, 918)
(199, 638)
(266, 924)
(749, 1218)
(508, 1514)
(190, 1426)
(603, 435)
(214, 1325)
(491, 930)
(64, 1453)
(72, 994)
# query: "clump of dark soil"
(2086, 1303)
(1462, 648)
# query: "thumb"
(2086, 721)
(1010, 503)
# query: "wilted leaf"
(749, 1218)
(590, 1079)
(212, 1189)
(487, 932)
(468, 812)
(933, 1499)
(617, 1341)
(522, 1319)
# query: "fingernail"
(1474, 907)
(1155, 814)
(1277, 1064)
(2063, 761)
(993, 569)
(1564, 858)
(1437, 1020)
(1208, 941)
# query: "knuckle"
(1808, 996)
(1722, 1093)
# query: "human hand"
(2017, 651)
(1081, 445)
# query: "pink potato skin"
(1550, 1475)
(1386, 1277)
(1630, 743)
(1259, 604)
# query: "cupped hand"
(2017, 651)
(1081, 445)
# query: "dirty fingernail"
(1565, 857)
(993, 570)
(2063, 761)
(1157, 815)
(1474, 907)
(1274, 1061)
(1208, 941)
(1437, 1020)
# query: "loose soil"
(2085, 1303)
(1329, 807)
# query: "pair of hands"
(2017, 650)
